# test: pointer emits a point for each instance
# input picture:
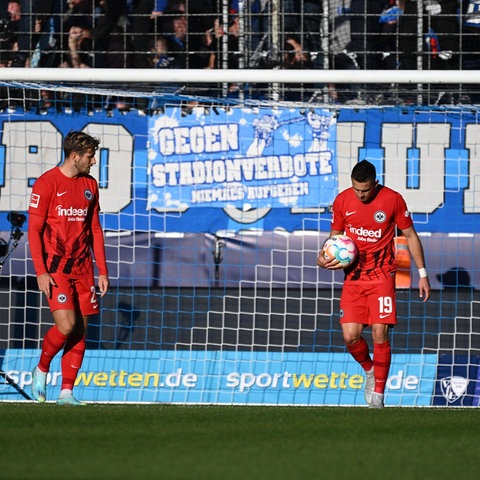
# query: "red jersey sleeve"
(35, 239)
(98, 246)
(403, 218)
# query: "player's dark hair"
(79, 142)
(364, 171)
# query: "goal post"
(142, 75)
(214, 208)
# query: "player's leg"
(56, 336)
(359, 350)
(74, 351)
(381, 356)
(353, 314)
(356, 344)
(72, 360)
(381, 363)
(53, 342)
(383, 315)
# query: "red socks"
(73, 352)
(359, 351)
(72, 360)
(53, 342)
(382, 357)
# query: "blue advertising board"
(458, 380)
(231, 377)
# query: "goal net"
(215, 202)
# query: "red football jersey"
(64, 215)
(372, 227)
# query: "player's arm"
(416, 251)
(35, 240)
(330, 264)
(99, 254)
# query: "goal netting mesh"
(215, 202)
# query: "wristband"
(422, 272)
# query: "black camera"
(16, 219)
(5, 30)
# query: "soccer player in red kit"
(369, 213)
(63, 231)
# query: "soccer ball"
(342, 248)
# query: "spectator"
(339, 37)
(142, 29)
(231, 60)
(442, 35)
(159, 7)
(9, 28)
(188, 49)
(294, 56)
(203, 20)
(364, 30)
(108, 14)
(408, 33)
(217, 38)
(257, 43)
(176, 37)
(52, 22)
(388, 39)
(15, 19)
(470, 28)
(359, 52)
(303, 20)
(79, 11)
(442, 46)
(80, 54)
(159, 53)
(176, 6)
(201, 17)
(80, 48)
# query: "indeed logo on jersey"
(74, 214)
(366, 235)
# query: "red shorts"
(76, 294)
(368, 303)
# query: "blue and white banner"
(234, 157)
(231, 377)
(264, 168)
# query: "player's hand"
(45, 282)
(103, 284)
(424, 288)
(332, 264)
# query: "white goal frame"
(240, 76)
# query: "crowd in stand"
(333, 34)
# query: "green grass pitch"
(105, 441)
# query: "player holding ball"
(369, 213)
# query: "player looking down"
(63, 231)
(369, 213)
